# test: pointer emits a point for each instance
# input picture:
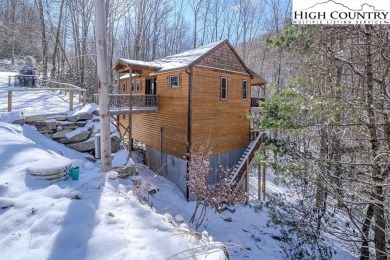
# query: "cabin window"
(124, 87)
(224, 86)
(174, 81)
(244, 89)
(138, 85)
(132, 86)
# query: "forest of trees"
(328, 108)
(59, 34)
(330, 140)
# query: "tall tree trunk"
(320, 189)
(13, 21)
(57, 43)
(336, 144)
(101, 51)
(364, 249)
(44, 41)
(379, 213)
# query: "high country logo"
(332, 12)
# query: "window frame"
(138, 85)
(132, 86)
(170, 81)
(226, 88)
(246, 89)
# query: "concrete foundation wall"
(226, 160)
(175, 169)
(169, 166)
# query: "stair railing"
(242, 170)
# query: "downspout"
(188, 130)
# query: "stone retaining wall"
(76, 131)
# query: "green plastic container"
(74, 173)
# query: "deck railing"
(64, 90)
(256, 100)
(37, 84)
(125, 101)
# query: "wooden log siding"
(221, 123)
(171, 116)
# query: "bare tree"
(104, 106)
(44, 40)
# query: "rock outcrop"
(75, 130)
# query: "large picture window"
(224, 88)
(174, 81)
(244, 89)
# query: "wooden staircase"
(240, 170)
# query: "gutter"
(188, 129)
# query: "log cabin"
(201, 96)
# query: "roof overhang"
(124, 65)
(256, 78)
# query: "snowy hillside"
(87, 219)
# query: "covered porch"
(257, 93)
(140, 96)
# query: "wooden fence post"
(259, 182)
(247, 181)
(71, 100)
(264, 182)
(9, 80)
(84, 97)
(9, 100)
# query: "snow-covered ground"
(101, 218)
(92, 218)
(33, 102)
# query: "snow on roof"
(184, 59)
(176, 61)
(127, 75)
(140, 63)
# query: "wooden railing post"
(71, 100)
(247, 181)
(9, 100)
(9, 80)
(264, 181)
(84, 97)
(259, 181)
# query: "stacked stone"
(76, 132)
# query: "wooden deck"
(121, 104)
